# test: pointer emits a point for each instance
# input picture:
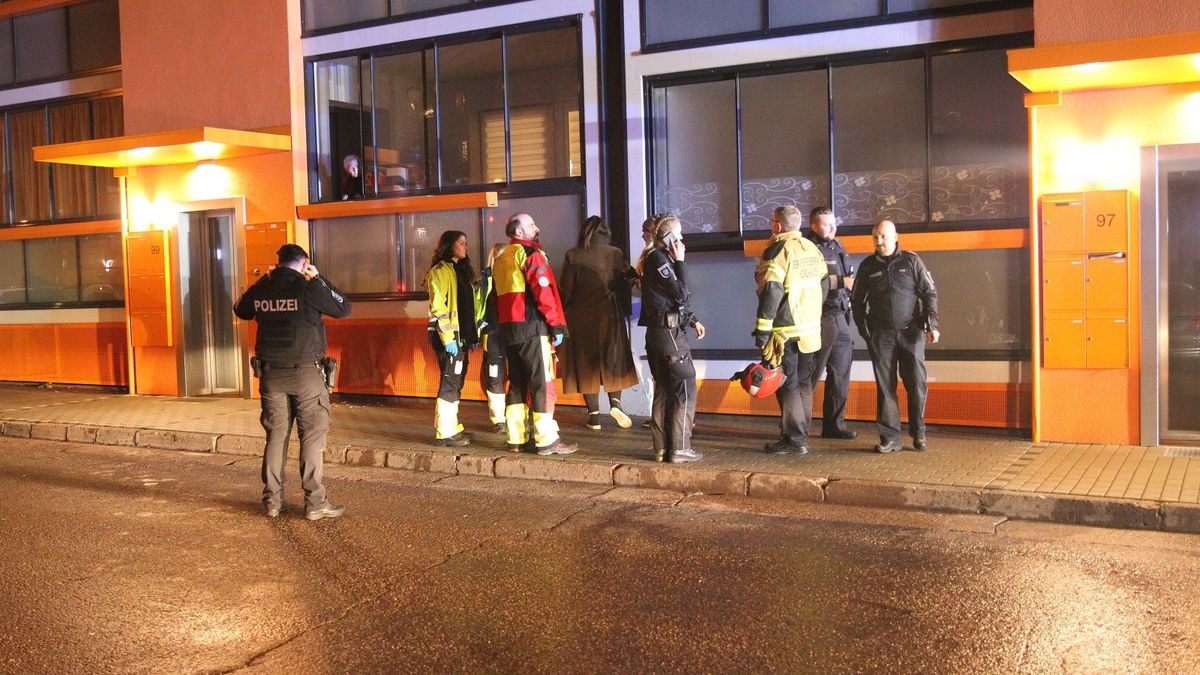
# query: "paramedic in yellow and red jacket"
(532, 323)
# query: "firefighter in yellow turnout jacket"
(455, 308)
(532, 323)
(792, 282)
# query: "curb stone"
(1073, 510)
(1181, 517)
(364, 456)
(245, 446)
(80, 433)
(672, 477)
(16, 429)
(188, 441)
(787, 486)
(126, 436)
(423, 460)
(50, 431)
(854, 492)
(476, 465)
(572, 471)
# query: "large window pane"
(338, 126)
(722, 285)
(361, 255)
(979, 144)
(879, 142)
(400, 7)
(31, 180)
(695, 151)
(543, 92)
(994, 314)
(804, 12)
(12, 273)
(558, 218)
(7, 72)
(785, 144)
(53, 270)
(672, 20)
(421, 232)
(95, 35)
(403, 111)
(327, 13)
(41, 44)
(107, 122)
(74, 186)
(471, 84)
(101, 274)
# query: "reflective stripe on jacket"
(791, 289)
(442, 282)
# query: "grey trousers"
(294, 394)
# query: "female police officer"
(666, 316)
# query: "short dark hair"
(289, 253)
(817, 213)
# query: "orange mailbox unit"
(149, 294)
(1085, 280)
(262, 241)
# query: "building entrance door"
(212, 356)
(1171, 294)
(1181, 414)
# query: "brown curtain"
(74, 187)
(107, 122)
(31, 180)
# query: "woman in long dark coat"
(595, 295)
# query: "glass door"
(212, 355)
(1179, 184)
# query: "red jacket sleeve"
(539, 277)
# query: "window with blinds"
(531, 151)
(575, 168)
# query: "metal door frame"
(1157, 160)
(237, 228)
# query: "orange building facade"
(237, 116)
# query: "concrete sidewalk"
(966, 472)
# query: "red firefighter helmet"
(759, 380)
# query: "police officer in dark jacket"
(287, 305)
(666, 316)
(837, 346)
(896, 311)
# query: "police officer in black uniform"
(837, 346)
(666, 316)
(287, 305)
(895, 308)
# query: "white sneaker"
(622, 419)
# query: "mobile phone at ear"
(670, 238)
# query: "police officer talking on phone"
(667, 317)
(290, 362)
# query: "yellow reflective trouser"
(531, 392)
(445, 419)
(496, 411)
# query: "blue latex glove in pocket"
(452, 349)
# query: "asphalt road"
(133, 560)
